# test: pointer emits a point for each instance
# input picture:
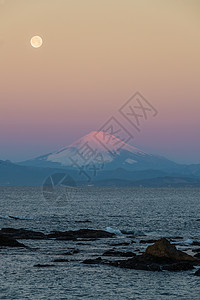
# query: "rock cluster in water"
(162, 255)
(58, 235)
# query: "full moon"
(36, 41)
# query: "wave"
(5, 217)
(185, 242)
(113, 230)
(16, 218)
(133, 232)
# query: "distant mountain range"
(106, 160)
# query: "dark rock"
(121, 244)
(197, 255)
(15, 218)
(60, 260)
(196, 250)
(59, 235)
(177, 238)
(130, 236)
(97, 260)
(119, 253)
(81, 233)
(23, 234)
(43, 266)
(82, 243)
(86, 240)
(139, 263)
(182, 266)
(197, 273)
(195, 243)
(147, 241)
(85, 221)
(7, 241)
(163, 249)
(149, 263)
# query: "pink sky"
(95, 55)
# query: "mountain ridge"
(15, 175)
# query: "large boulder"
(6, 241)
(163, 249)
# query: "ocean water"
(133, 214)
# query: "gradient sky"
(95, 55)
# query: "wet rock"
(7, 241)
(86, 240)
(149, 263)
(15, 218)
(23, 234)
(81, 233)
(140, 263)
(147, 241)
(60, 260)
(195, 243)
(130, 236)
(97, 260)
(197, 255)
(163, 249)
(84, 221)
(119, 253)
(88, 234)
(43, 266)
(182, 266)
(121, 244)
(196, 250)
(197, 273)
(177, 238)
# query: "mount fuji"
(106, 151)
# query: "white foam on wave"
(113, 230)
(133, 232)
(186, 242)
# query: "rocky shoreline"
(160, 256)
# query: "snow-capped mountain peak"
(87, 148)
(104, 150)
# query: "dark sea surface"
(134, 214)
